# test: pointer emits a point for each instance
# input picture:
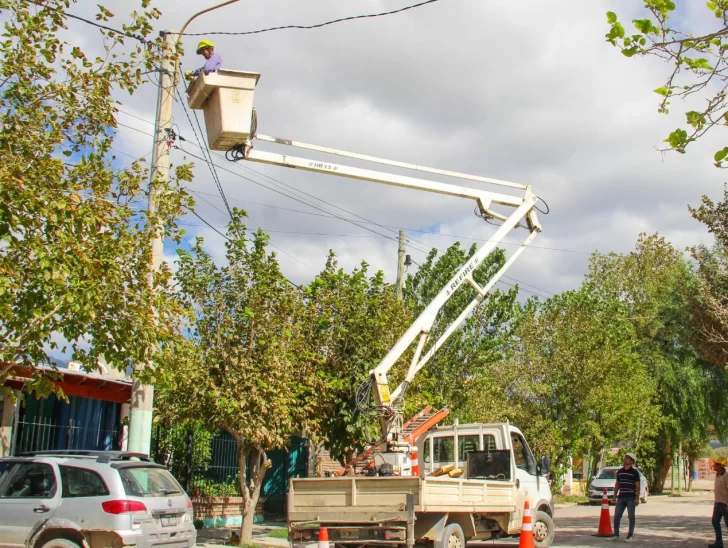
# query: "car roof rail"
(101, 456)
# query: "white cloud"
(525, 91)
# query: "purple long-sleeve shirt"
(211, 64)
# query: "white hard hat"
(632, 456)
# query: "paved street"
(665, 521)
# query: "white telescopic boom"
(523, 214)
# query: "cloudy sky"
(525, 91)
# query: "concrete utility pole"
(142, 398)
(400, 265)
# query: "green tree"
(576, 382)
(463, 371)
(349, 323)
(655, 283)
(698, 64)
(710, 301)
(74, 247)
(245, 367)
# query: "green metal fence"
(207, 464)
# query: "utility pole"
(400, 265)
(142, 398)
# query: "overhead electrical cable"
(93, 23)
(328, 215)
(317, 25)
(206, 152)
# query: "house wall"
(7, 411)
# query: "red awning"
(78, 383)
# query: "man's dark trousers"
(622, 503)
(719, 513)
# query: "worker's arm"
(616, 487)
(637, 493)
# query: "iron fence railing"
(199, 460)
(44, 434)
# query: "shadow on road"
(662, 531)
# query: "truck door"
(525, 478)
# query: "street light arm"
(187, 24)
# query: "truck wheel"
(60, 543)
(543, 530)
(452, 537)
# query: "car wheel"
(452, 537)
(60, 543)
(543, 530)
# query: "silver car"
(606, 478)
(71, 499)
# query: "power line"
(298, 199)
(93, 23)
(530, 285)
(317, 25)
(524, 289)
(328, 214)
(205, 150)
(229, 240)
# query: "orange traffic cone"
(415, 463)
(526, 540)
(323, 540)
(605, 522)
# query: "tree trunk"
(250, 488)
(660, 480)
(691, 470)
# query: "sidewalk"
(222, 536)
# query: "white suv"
(70, 499)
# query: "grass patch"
(578, 499)
(278, 533)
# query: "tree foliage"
(698, 65)
(655, 284)
(463, 368)
(74, 247)
(710, 301)
(244, 368)
(350, 322)
(576, 382)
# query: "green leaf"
(662, 91)
(721, 154)
(611, 17)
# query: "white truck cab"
(450, 445)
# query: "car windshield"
(148, 482)
(607, 473)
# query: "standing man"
(721, 500)
(627, 491)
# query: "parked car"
(606, 478)
(70, 499)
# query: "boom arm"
(523, 214)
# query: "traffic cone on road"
(526, 540)
(605, 522)
(323, 539)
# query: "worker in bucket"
(721, 499)
(213, 61)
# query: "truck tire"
(60, 543)
(543, 530)
(452, 537)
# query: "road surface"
(664, 521)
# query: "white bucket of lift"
(226, 98)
